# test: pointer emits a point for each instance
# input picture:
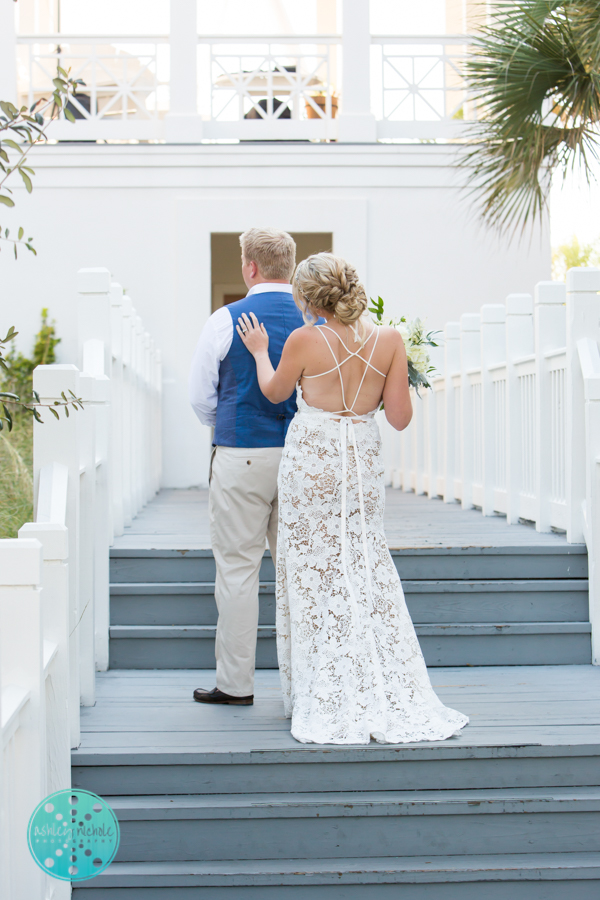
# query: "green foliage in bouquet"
(416, 339)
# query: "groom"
(248, 440)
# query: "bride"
(350, 663)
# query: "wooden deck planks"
(138, 710)
(178, 519)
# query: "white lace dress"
(350, 664)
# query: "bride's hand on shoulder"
(253, 334)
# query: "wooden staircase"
(476, 606)
(221, 803)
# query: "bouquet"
(416, 340)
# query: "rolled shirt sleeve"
(213, 346)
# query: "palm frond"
(536, 84)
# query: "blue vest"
(245, 418)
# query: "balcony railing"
(251, 88)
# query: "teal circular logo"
(73, 835)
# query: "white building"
(184, 137)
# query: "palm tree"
(534, 74)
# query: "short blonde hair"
(274, 252)
(327, 282)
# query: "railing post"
(95, 360)
(589, 359)
(21, 679)
(59, 442)
(55, 615)
(435, 435)
(451, 367)
(356, 122)
(8, 53)
(493, 350)
(470, 358)
(519, 343)
(182, 123)
(116, 404)
(550, 334)
(128, 406)
(583, 285)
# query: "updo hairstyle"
(328, 283)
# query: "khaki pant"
(243, 512)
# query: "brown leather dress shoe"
(217, 696)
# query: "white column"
(8, 52)
(356, 122)
(21, 680)
(493, 351)
(550, 334)
(183, 125)
(58, 442)
(451, 367)
(583, 305)
(519, 343)
(53, 536)
(470, 358)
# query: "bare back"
(341, 377)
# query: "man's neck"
(256, 281)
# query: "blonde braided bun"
(326, 283)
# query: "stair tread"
(497, 585)
(429, 629)
(349, 870)
(350, 804)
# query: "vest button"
(248, 462)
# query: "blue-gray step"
(464, 564)
(114, 772)
(357, 824)
(429, 602)
(475, 644)
(535, 876)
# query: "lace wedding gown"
(350, 664)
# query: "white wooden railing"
(512, 424)
(262, 87)
(92, 472)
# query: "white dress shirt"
(212, 348)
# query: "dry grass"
(16, 483)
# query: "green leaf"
(26, 180)
(69, 115)
(8, 395)
(13, 144)
(59, 84)
(6, 200)
(67, 411)
(32, 249)
(21, 233)
(8, 416)
(15, 250)
(4, 155)
(8, 109)
(54, 413)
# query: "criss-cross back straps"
(338, 365)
